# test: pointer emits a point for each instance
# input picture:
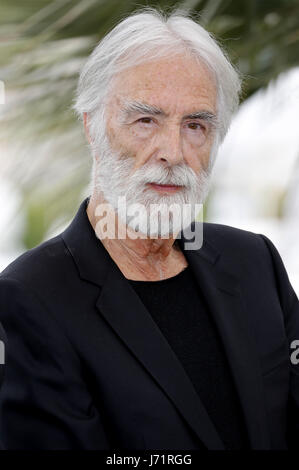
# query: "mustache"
(178, 175)
(115, 174)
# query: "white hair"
(148, 35)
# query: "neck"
(143, 257)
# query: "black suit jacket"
(2, 362)
(2, 353)
(88, 368)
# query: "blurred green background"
(45, 163)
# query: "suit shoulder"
(37, 262)
(234, 242)
(227, 230)
(226, 234)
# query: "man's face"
(161, 119)
(178, 87)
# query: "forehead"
(178, 82)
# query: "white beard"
(112, 175)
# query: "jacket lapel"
(123, 310)
(223, 297)
(119, 304)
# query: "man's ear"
(86, 126)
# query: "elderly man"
(123, 334)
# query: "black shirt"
(177, 306)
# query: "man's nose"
(170, 148)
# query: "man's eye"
(145, 120)
(195, 126)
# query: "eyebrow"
(134, 107)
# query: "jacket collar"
(86, 249)
(91, 258)
(135, 326)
